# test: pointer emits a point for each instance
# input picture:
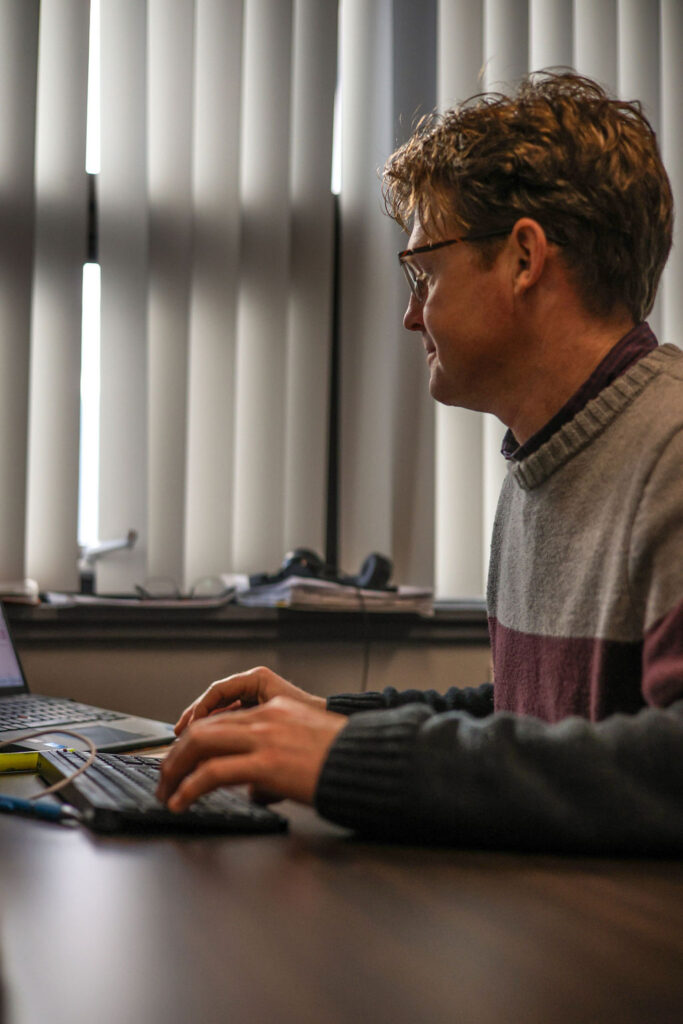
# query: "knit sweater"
(586, 580)
(585, 599)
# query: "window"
(216, 243)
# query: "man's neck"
(554, 368)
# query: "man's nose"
(412, 318)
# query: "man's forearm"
(510, 781)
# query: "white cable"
(63, 732)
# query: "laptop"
(22, 711)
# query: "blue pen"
(40, 809)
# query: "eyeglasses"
(164, 588)
(417, 279)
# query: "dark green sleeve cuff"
(365, 781)
(476, 701)
(350, 703)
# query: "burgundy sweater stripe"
(663, 659)
(643, 672)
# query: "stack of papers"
(114, 601)
(323, 595)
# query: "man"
(540, 227)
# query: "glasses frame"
(415, 277)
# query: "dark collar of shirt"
(633, 346)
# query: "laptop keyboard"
(116, 793)
(34, 712)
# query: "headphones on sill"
(374, 573)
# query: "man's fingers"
(245, 689)
(189, 715)
(218, 771)
(223, 695)
(183, 721)
(236, 704)
(278, 748)
(208, 739)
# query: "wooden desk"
(316, 926)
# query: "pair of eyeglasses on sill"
(418, 280)
(164, 588)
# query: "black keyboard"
(36, 712)
(116, 794)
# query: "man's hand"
(257, 686)
(278, 748)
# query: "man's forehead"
(418, 236)
(437, 233)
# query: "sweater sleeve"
(475, 700)
(656, 576)
(510, 781)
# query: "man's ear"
(529, 247)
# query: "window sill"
(460, 622)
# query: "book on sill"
(324, 595)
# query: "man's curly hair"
(562, 151)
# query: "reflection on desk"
(317, 926)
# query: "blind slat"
(595, 40)
(415, 76)
(309, 329)
(550, 33)
(169, 140)
(262, 306)
(18, 64)
(215, 273)
(123, 243)
(61, 191)
(370, 296)
(506, 43)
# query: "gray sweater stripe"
(598, 544)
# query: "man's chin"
(439, 389)
(448, 395)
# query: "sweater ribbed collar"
(635, 344)
(595, 417)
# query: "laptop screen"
(10, 672)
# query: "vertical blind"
(18, 83)
(60, 231)
(216, 240)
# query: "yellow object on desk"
(19, 761)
